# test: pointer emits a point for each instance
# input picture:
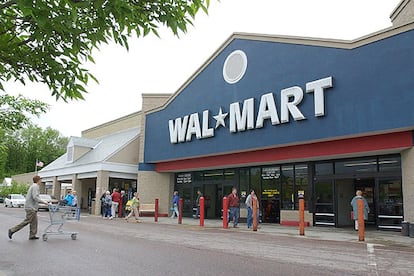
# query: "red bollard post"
(361, 222)
(156, 210)
(202, 211)
(225, 212)
(180, 211)
(301, 216)
(255, 218)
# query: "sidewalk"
(318, 233)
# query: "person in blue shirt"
(69, 198)
(175, 205)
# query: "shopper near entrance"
(174, 204)
(74, 199)
(199, 195)
(249, 204)
(134, 208)
(31, 206)
(107, 205)
(116, 199)
(354, 204)
(234, 207)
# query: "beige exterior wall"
(128, 155)
(407, 160)
(24, 178)
(293, 215)
(123, 123)
(403, 13)
(153, 185)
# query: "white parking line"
(372, 264)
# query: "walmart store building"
(283, 115)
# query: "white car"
(14, 200)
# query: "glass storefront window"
(390, 197)
(255, 181)
(288, 193)
(301, 183)
(324, 197)
(356, 166)
(230, 174)
(213, 175)
(271, 194)
(390, 164)
(198, 176)
(244, 184)
(324, 169)
(390, 204)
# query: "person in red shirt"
(234, 207)
(116, 199)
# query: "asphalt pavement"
(374, 236)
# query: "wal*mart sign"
(183, 129)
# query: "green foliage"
(15, 111)
(15, 188)
(47, 41)
(25, 146)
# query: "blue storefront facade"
(284, 115)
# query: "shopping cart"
(58, 215)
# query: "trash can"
(411, 230)
(405, 228)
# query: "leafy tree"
(25, 146)
(47, 41)
(15, 111)
(15, 188)
(3, 153)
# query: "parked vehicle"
(15, 200)
(1, 199)
(49, 199)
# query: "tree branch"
(8, 4)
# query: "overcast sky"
(162, 65)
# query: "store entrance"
(213, 198)
(345, 191)
(367, 186)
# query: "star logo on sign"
(220, 118)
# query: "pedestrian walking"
(234, 207)
(31, 206)
(354, 204)
(134, 208)
(116, 199)
(174, 203)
